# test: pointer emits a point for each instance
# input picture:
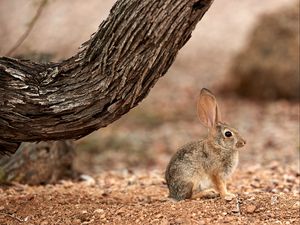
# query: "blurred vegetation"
(115, 150)
(268, 67)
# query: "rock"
(180, 221)
(274, 200)
(155, 221)
(255, 184)
(289, 178)
(77, 221)
(159, 216)
(229, 197)
(229, 219)
(87, 180)
(275, 182)
(164, 222)
(120, 211)
(296, 205)
(145, 199)
(98, 211)
(250, 208)
(273, 165)
(235, 210)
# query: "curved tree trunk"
(111, 74)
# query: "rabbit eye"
(228, 134)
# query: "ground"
(267, 195)
(126, 184)
(125, 162)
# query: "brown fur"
(206, 163)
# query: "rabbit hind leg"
(181, 190)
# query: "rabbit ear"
(208, 110)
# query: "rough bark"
(111, 74)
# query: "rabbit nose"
(240, 143)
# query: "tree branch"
(29, 29)
(111, 74)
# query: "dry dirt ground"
(267, 195)
(266, 182)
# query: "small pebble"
(229, 197)
(296, 205)
(274, 200)
(98, 211)
(164, 222)
(250, 208)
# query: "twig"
(238, 209)
(12, 216)
(30, 27)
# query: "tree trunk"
(39, 163)
(111, 74)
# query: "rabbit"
(205, 164)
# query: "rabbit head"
(210, 116)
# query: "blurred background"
(246, 52)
